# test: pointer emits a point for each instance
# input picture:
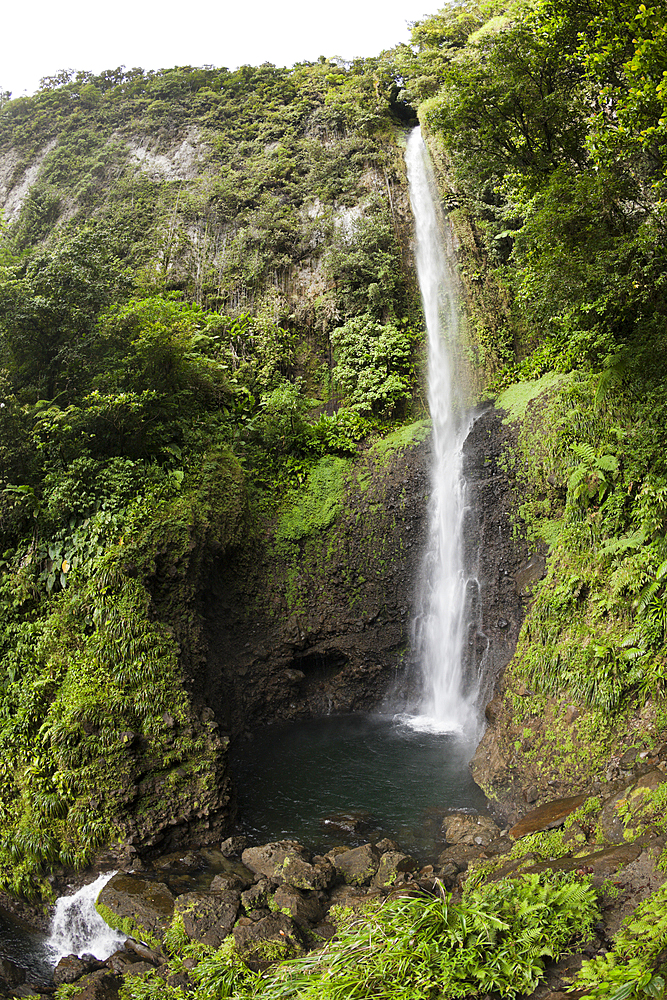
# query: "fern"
(629, 971)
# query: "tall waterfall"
(448, 698)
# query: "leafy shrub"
(374, 366)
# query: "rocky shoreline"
(277, 900)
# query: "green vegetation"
(496, 938)
(634, 969)
(205, 313)
(197, 251)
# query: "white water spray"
(448, 701)
(78, 929)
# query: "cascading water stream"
(448, 698)
(77, 927)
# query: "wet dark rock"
(529, 573)
(257, 896)
(351, 896)
(460, 854)
(143, 952)
(228, 883)
(448, 873)
(387, 845)
(301, 874)
(269, 858)
(233, 846)
(503, 845)
(100, 985)
(178, 862)
(469, 829)
(208, 917)
(269, 664)
(358, 866)
(270, 939)
(547, 817)
(144, 907)
(71, 967)
(306, 909)
(125, 963)
(228, 865)
(347, 823)
(11, 974)
(392, 864)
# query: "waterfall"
(77, 928)
(448, 697)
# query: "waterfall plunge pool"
(292, 777)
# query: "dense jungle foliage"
(497, 938)
(167, 362)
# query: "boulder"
(387, 845)
(469, 829)
(392, 864)
(100, 985)
(257, 896)
(208, 916)
(352, 896)
(304, 908)
(546, 817)
(124, 963)
(503, 845)
(301, 874)
(632, 808)
(460, 855)
(229, 883)
(136, 906)
(349, 824)
(358, 866)
(233, 846)
(268, 859)
(71, 967)
(273, 938)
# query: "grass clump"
(405, 436)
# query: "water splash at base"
(78, 929)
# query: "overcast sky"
(40, 38)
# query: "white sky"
(41, 37)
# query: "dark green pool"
(291, 777)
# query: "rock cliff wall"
(327, 629)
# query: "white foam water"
(78, 929)
(448, 702)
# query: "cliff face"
(321, 623)
(326, 627)
(501, 558)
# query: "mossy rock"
(137, 907)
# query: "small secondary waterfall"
(77, 927)
(448, 698)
